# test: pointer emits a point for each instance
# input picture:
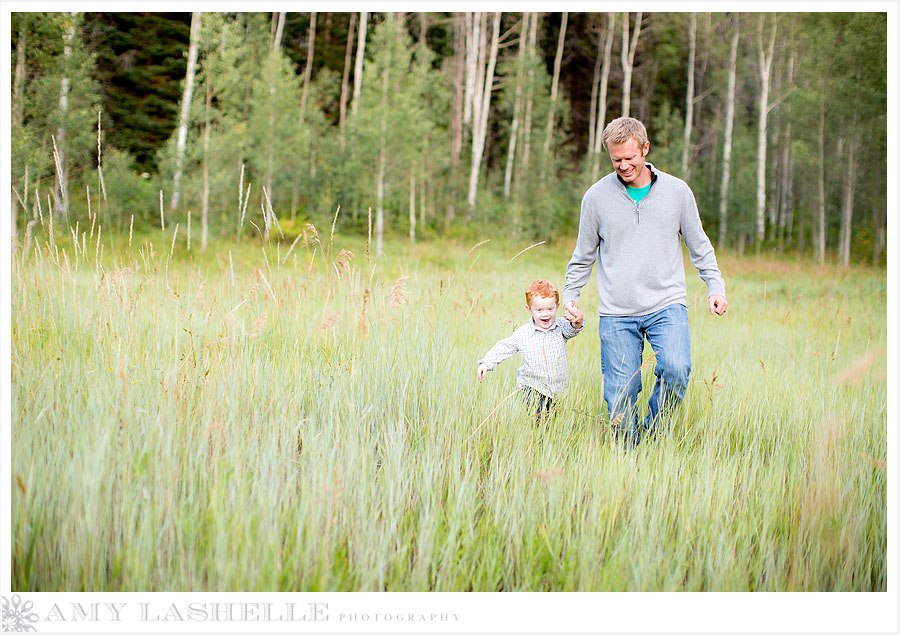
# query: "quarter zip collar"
(624, 189)
(653, 177)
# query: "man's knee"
(621, 395)
(675, 372)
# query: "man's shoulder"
(604, 184)
(669, 180)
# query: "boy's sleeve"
(569, 331)
(504, 349)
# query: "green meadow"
(304, 416)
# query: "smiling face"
(543, 310)
(629, 161)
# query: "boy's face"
(543, 310)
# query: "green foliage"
(51, 70)
(131, 66)
(141, 64)
(128, 191)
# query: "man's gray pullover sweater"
(637, 248)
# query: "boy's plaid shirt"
(544, 354)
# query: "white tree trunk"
(360, 56)
(729, 131)
(847, 207)
(480, 26)
(19, 81)
(382, 160)
(310, 48)
(628, 50)
(62, 169)
(514, 128)
(412, 205)
(345, 80)
(765, 70)
(786, 201)
(820, 233)
(18, 111)
(279, 31)
(480, 135)
(601, 102)
(473, 51)
(204, 211)
(595, 86)
(554, 88)
(529, 100)
(183, 120)
(689, 102)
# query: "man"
(630, 225)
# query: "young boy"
(542, 343)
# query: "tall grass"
(255, 418)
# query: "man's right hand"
(571, 312)
(482, 369)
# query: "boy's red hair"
(542, 289)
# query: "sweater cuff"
(569, 296)
(715, 287)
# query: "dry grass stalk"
(315, 235)
(259, 325)
(291, 248)
(330, 320)
(241, 191)
(333, 223)
(363, 326)
(130, 228)
(547, 475)
(369, 236)
(342, 263)
(268, 286)
(858, 369)
(246, 200)
(162, 214)
(59, 176)
(398, 292)
(522, 252)
(99, 157)
(477, 245)
(312, 261)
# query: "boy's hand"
(573, 314)
(482, 370)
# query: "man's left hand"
(717, 304)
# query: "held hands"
(574, 315)
(717, 305)
(482, 370)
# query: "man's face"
(628, 160)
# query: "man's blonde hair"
(621, 130)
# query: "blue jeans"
(539, 405)
(621, 348)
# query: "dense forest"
(425, 124)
